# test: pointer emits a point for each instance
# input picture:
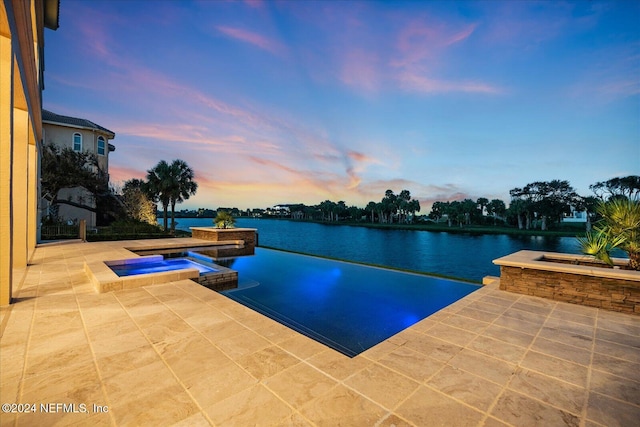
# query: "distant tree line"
(540, 204)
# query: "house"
(80, 135)
(22, 25)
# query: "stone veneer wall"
(606, 293)
(225, 234)
(220, 281)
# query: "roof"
(52, 14)
(53, 118)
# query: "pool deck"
(180, 354)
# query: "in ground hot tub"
(157, 264)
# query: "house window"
(77, 142)
(101, 146)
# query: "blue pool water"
(348, 307)
(157, 266)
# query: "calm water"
(465, 256)
(348, 307)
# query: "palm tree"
(182, 186)
(170, 184)
(159, 185)
(619, 228)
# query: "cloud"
(414, 82)
(253, 38)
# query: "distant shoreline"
(567, 231)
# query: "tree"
(371, 207)
(183, 187)
(160, 186)
(619, 228)
(137, 203)
(64, 168)
(224, 220)
(482, 203)
(496, 208)
(628, 187)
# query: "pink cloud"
(360, 69)
(255, 39)
(415, 82)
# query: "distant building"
(79, 135)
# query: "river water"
(467, 256)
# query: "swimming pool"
(348, 307)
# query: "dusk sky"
(298, 102)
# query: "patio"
(179, 354)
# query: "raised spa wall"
(531, 273)
(247, 236)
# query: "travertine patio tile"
(341, 406)
(498, 349)
(556, 368)
(201, 355)
(486, 306)
(616, 387)
(196, 420)
(510, 336)
(412, 363)
(570, 316)
(611, 412)
(267, 362)
(125, 360)
(481, 315)
(302, 347)
(427, 407)
(565, 337)
(571, 327)
(242, 344)
(465, 323)
(519, 325)
(392, 420)
(299, 384)
(524, 316)
(216, 383)
(223, 330)
(337, 365)
(620, 367)
(57, 356)
(164, 406)
(275, 332)
(135, 383)
(520, 410)
(254, 406)
(382, 385)
(495, 370)
(626, 339)
(433, 347)
(69, 384)
(530, 307)
(496, 300)
(558, 393)
(566, 352)
(617, 350)
(464, 386)
(494, 422)
(615, 316)
(380, 350)
(451, 334)
(201, 316)
(110, 345)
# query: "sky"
(274, 102)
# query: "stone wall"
(220, 281)
(602, 292)
(248, 235)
